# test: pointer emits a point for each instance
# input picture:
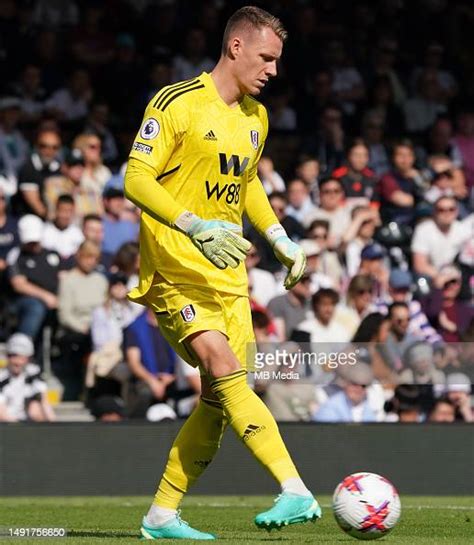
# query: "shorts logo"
(254, 139)
(143, 148)
(150, 129)
(188, 313)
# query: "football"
(366, 505)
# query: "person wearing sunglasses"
(450, 316)
(42, 163)
(442, 232)
(95, 174)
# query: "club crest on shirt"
(150, 129)
(188, 313)
(254, 139)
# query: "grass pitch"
(89, 520)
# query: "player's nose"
(271, 70)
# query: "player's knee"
(214, 353)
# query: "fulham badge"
(188, 313)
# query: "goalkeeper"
(193, 172)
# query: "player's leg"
(255, 425)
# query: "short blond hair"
(253, 17)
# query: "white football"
(366, 505)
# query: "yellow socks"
(192, 451)
(254, 424)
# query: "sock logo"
(202, 463)
(251, 431)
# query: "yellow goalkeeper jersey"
(204, 153)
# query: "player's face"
(256, 55)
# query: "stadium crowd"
(369, 165)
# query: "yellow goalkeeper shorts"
(182, 310)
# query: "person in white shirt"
(323, 328)
(22, 390)
(300, 205)
(262, 284)
(313, 252)
(62, 235)
(436, 242)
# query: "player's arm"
(150, 158)
(262, 217)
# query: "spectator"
(359, 235)
(323, 327)
(369, 341)
(373, 134)
(95, 174)
(422, 110)
(116, 230)
(350, 404)
(347, 83)
(400, 291)
(442, 411)
(281, 115)
(151, 362)
(22, 390)
(307, 170)
(382, 105)
(269, 177)
(193, 61)
(443, 231)
(61, 234)
(13, 146)
(108, 409)
(279, 203)
(127, 262)
(71, 103)
(372, 263)
(399, 339)
(328, 143)
(433, 58)
(33, 273)
(458, 392)
(450, 316)
(446, 181)
(31, 93)
(406, 405)
(93, 230)
(332, 208)
(81, 290)
(87, 201)
(360, 299)
(329, 263)
(98, 123)
(42, 163)
(358, 181)
(263, 283)
(300, 205)
(290, 309)
(440, 142)
(418, 359)
(313, 252)
(400, 188)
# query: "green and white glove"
(220, 241)
(288, 253)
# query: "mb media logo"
(252, 431)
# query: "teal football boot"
(289, 509)
(174, 529)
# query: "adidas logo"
(202, 463)
(210, 136)
(252, 431)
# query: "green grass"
(425, 520)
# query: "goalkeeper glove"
(288, 253)
(219, 241)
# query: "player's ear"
(235, 47)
